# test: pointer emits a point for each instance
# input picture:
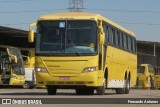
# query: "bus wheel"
(127, 86)
(26, 85)
(101, 89)
(51, 90)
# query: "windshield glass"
(18, 67)
(141, 69)
(67, 37)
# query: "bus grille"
(68, 82)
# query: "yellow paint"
(118, 61)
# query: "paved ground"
(42, 93)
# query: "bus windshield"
(67, 38)
(18, 67)
(141, 69)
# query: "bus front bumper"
(88, 79)
(16, 82)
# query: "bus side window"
(120, 40)
(114, 38)
(117, 38)
(129, 43)
(105, 28)
(124, 41)
(110, 36)
(135, 44)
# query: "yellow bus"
(157, 78)
(28, 55)
(11, 66)
(145, 76)
(84, 51)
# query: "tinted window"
(141, 69)
(106, 33)
(117, 38)
(67, 37)
(120, 40)
(133, 45)
(110, 36)
(129, 43)
(125, 41)
(114, 38)
(150, 68)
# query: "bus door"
(17, 73)
(5, 66)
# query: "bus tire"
(51, 90)
(127, 86)
(26, 85)
(101, 89)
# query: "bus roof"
(82, 16)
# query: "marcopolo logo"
(6, 101)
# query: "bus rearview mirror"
(31, 36)
(31, 33)
(26, 59)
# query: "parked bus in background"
(84, 51)
(11, 66)
(28, 55)
(157, 78)
(145, 76)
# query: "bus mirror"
(31, 36)
(26, 59)
(13, 59)
(31, 33)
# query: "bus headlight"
(38, 69)
(89, 69)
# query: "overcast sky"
(140, 16)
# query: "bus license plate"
(64, 78)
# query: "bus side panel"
(119, 62)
